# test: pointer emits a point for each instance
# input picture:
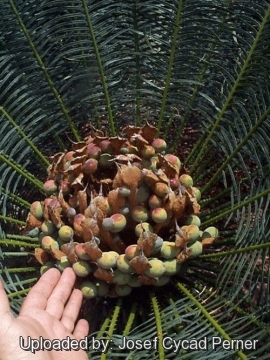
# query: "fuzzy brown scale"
(121, 211)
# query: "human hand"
(49, 310)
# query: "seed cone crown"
(122, 213)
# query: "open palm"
(50, 310)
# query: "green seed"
(139, 213)
(108, 259)
(142, 194)
(48, 243)
(119, 222)
(124, 210)
(159, 215)
(121, 278)
(63, 263)
(162, 280)
(174, 160)
(211, 231)
(80, 252)
(155, 201)
(193, 220)
(172, 267)
(158, 244)
(147, 151)
(159, 145)
(146, 163)
(105, 161)
(186, 180)
(50, 187)
(123, 290)
(161, 189)
(157, 268)
(134, 282)
(102, 288)
(154, 162)
(132, 251)
(193, 233)
(34, 232)
(48, 265)
(196, 249)
(36, 209)
(169, 250)
(48, 227)
(122, 263)
(81, 268)
(124, 191)
(197, 193)
(89, 289)
(145, 226)
(66, 233)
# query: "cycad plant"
(199, 72)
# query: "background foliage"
(198, 70)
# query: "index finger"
(41, 291)
(61, 293)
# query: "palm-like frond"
(199, 71)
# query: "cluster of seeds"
(120, 211)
